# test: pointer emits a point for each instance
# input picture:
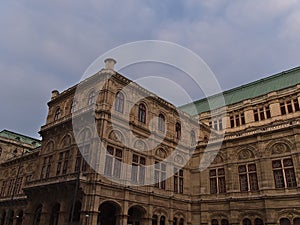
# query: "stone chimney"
(110, 63)
(55, 93)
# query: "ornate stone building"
(142, 161)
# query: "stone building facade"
(114, 153)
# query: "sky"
(47, 45)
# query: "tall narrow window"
(142, 113)
(217, 181)
(248, 177)
(178, 181)
(113, 162)
(258, 221)
(246, 221)
(178, 131)
(284, 174)
(91, 99)
(57, 114)
(161, 122)
(74, 106)
(138, 169)
(160, 175)
(3, 188)
(193, 138)
(119, 102)
(45, 173)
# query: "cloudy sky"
(46, 45)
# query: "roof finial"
(110, 63)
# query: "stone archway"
(107, 213)
(136, 215)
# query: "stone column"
(122, 219)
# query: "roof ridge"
(18, 134)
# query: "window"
(138, 169)
(237, 119)
(119, 102)
(17, 189)
(246, 221)
(162, 220)
(46, 167)
(284, 174)
(10, 186)
(142, 113)
(214, 222)
(248, 177)
(113, 162)
(160, 175)
(161, 122)
(74, 106)
(262, 113)
(289, 105)
(0, 151)
(178, 181)
(57, 114)
(193, 138)
(154, 219)
(296, 221)
(178, 131)
(91, 99)
(181, 221)
(224, 222)
(217, 181)
(258, 221)
(62, 164)
(216, 123)
(285, 221)
(3, 187)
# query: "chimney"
(110, 63)
(55, 93)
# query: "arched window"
(37, 215)
(246, 221)
(174, 221)
(178, 131)
(193, 138)
(154, 219)
(162, 220)
(142, 113)
(285, 221)
(57, 114)
(91, 99)
(119, 102)
(11, 217)
(20, 218)
(77, 210)
(161, 122)
(3, 216)
(214, 222)
(74, 106)
(224, 222)
(181, 221)
(55, 214)
(297, 221)
(258, 221)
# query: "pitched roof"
(19, 137)
(254, 89)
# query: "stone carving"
(161, 153)
(178, 159)
(245, 154)
(140, 145)
(278, 148)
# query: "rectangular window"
(217, 181)
(268, 112)
(231, 121)
(18, 185)
(255, 115)
(284, 174)
(178, 181)
(248, 177)
(46, 168)
(3, 187)
(282, 108)
(160, 175)
(296, 104)
(138, 169)
(113, 162)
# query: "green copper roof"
(19, 137)
(254, 89)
